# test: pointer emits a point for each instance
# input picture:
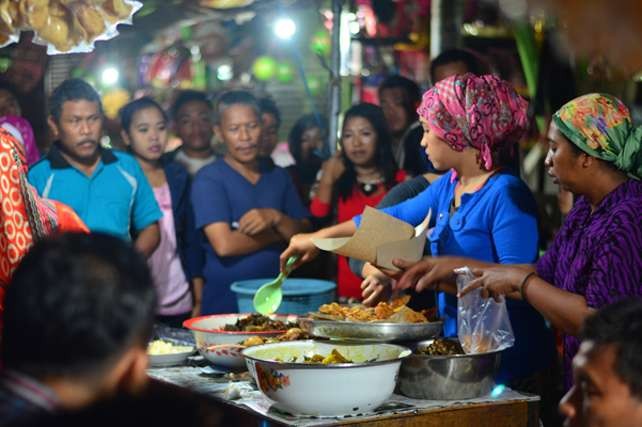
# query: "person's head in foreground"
(592, 138)
(472, 121)
(607, 370)
(79, 312)
(162, 404)
(239, 125)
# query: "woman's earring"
(587, 160)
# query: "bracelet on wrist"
(524, 285)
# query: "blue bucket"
(300, 296)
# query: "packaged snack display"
(65, 26)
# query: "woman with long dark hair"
(357, 176)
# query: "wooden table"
(510, 414)
(518, 411)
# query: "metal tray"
(370, 331)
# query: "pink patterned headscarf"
(21, 129)
(483, 112)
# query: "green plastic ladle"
(268, 297)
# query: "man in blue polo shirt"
(106, 188)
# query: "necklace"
(369, 186)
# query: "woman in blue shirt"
(480, 210)
(247, 209)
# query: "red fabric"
(318, 208)
(68, 219)
(348, 283)
(16, 195)
(21, 208)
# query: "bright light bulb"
(354, 27)
(224, 72)
(110, 76)
(284, 28)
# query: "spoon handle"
(289, 263)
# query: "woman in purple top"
(596, 258)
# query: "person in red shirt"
(358, 175)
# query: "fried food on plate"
(393, 311)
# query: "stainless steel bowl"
(370, 331)
(464, 376)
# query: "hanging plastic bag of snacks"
(68, 26)
(10, 22)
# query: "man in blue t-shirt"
(107, 189)
(247, 208)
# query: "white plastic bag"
(482, 323)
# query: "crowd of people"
(161, 236)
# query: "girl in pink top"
(175, 264)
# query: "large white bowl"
(326, 390)
(221, 347)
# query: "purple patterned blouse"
(598, 255)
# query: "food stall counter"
(235, 392)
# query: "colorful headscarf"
(24, 216)
(600, 125)
(21, 129)
(483, 112)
